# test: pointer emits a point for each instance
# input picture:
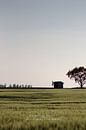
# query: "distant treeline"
(15, 86)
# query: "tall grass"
(43, 109)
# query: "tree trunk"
(81, 85)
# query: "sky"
(41, 40)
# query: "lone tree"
(78, 74)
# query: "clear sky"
(40, 40)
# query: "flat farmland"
(42, 109)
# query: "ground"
(42, 109)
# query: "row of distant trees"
(15, 86)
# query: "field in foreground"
(42, 109)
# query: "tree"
(78, 74)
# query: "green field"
(42, 109)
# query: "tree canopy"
(78, 74)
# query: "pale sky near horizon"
(40, 40)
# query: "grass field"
(42, 109)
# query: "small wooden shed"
(57, 84)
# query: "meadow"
(42, 109)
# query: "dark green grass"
(42, 109)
